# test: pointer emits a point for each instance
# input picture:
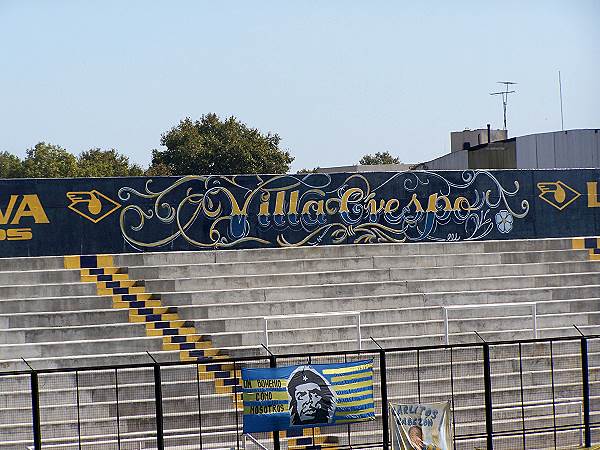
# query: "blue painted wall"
(111, 215)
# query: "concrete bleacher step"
(98, 358)
(70, 333)
(218, 298)
(46, 290)
(332, 276)
(191, 270)
(54, 304)
(340, 251)
(476, 289)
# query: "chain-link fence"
(538, 393)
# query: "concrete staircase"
(204, 306)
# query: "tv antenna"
(504, 95)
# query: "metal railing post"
(358, 331)
(534, 315)
(585, 381)
(446, 326)
(384, 400)
(35, 411)
(160, 438)
(487, 379)
(266, 331)
(276, 443)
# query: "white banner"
(421, 427)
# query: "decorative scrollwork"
(314, 209)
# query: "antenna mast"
(562, 122)
(504, 95)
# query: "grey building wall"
(556, 150)
(452, 161)
(559, 149)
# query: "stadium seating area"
(58, 312)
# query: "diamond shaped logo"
(92, 205)
(557, 193)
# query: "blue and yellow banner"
(307, 396)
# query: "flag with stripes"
(307, 396)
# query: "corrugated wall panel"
(545, 151)
(526, 152)
(575, 149)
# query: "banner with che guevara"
(307, 396)
(148, 214)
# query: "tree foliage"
(10, 165)
(378, 159)
(49, 161)
(305, 171)
(105, 163)
(52, 161)
(210, 146)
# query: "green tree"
(49, 161)
(158, 170)
(210, 146)
(105, 163)
(378, 159)
(10, 166)
(305, 171)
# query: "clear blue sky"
(335, 79)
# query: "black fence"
(539, 393)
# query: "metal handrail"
(254, 440)
(445, 309)
(296, 316)
(302, 355)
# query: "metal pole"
(358, 333)
(117, 408)
(78, 410)
(266, 332)
(487, 379)
(276, 443)
(446, 327)
(534, 315)
(35, 411)
(585, 380)
(160, 438)
(562, 122)
(522, 396)
(384, 400)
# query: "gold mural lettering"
(293, 209)
(391, 206)
(279, 200)
(462, 204)
(264, 204)
(373, 208)
(317, 205)
(30, 206)
(351, 195)
(4, 216)
(415, 201)
(592, 194)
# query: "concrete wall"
(114, 215)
